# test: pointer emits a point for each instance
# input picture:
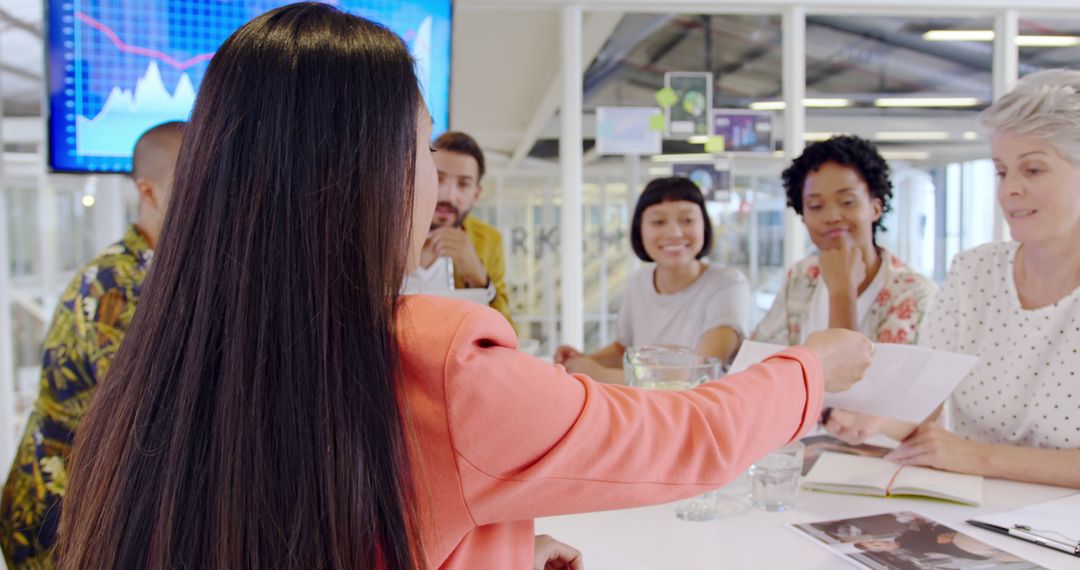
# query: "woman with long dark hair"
(276, 405)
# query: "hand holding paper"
(845, 356)
(904, 382)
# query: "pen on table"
(1025, 533)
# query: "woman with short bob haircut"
(277, 405)
(680, 300)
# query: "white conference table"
(652, 538)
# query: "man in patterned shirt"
(85, 333)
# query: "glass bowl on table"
(661, 367)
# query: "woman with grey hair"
(1017, 304)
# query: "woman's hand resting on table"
(554, 555)
(931, 445)
(845, 355)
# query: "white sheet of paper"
(904, 382)
(1058, 515)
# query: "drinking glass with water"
(774, 479)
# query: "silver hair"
(1044, 105)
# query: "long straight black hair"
(251, 418)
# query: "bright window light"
(912, 136)
(988, 36)
(817, 103)
(927, 102)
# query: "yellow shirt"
(489, 248)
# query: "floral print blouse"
(87, 327)
(895, 314)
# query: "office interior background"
(527, 78)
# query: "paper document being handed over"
(904, 382)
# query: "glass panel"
(953, 214)
(979, 203)
(522, 208)
(24, 245)
(50, 235)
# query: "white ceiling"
(503, 63)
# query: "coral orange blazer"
(500, 437)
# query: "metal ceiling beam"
(600, 75)
(975, 56)
(28, 27)
(19, 72)
(670, 45)
(622, 42)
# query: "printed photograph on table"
(744, 131)
(908, 541)
(118, 67)
(690, 113)
(818, 444)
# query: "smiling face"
(838, 206)
(1038, 189)
(673, 233)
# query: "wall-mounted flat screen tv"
(118, 67)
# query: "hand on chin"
(442, 221)
(835, 240)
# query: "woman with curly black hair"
(841, 189)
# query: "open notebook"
(877, 477)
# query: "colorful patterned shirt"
(87, 327)
(894, 316)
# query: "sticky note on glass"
(715, 144)
(657, 122)
(666, 97)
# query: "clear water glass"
(774, 479)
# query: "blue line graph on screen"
(119, 67)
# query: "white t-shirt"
(1025, 390)
(719, 297)
(817, 318)
(437, 279)
(432, 280)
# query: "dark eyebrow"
(817, 195)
